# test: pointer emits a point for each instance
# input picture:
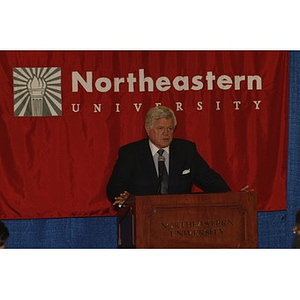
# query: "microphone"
(161, 166)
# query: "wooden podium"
(223, 220)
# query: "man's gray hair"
(159, 112)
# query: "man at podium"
(160, 163)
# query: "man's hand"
(122, 198)
(247, 189)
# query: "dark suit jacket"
(135, 171)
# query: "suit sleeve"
(205, 177)
(120, 177)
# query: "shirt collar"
(154, 149)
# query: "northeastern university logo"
(37, 92)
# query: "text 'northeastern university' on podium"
(219, 220)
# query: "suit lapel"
(174, 165)
(147, 160)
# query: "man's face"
(161, 134)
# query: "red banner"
(64, 115)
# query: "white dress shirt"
(155, 155)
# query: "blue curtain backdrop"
(65, 233)
(274, 228)
(293, 179)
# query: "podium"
(217, 220)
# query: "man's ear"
(147, 129)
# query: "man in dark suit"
(296, 231)
(138, 169)
(4, 234)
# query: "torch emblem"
(37, 92)
(36, 87)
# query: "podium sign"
(223, 220)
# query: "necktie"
(162, 173)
